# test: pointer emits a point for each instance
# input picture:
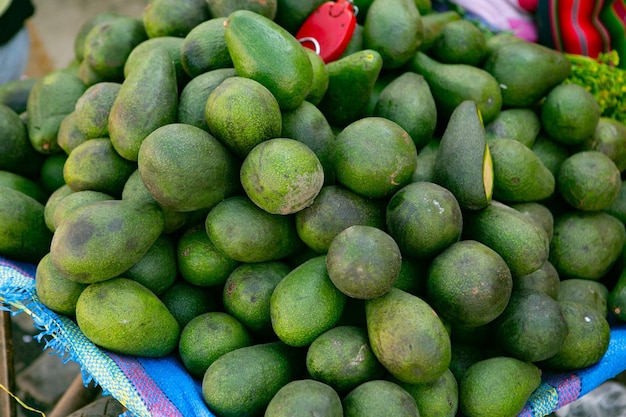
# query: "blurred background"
(56, 23)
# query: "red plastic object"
(328, 29)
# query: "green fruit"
(246, 233)
(334, 209)
(308, 125)
(522, 243)
(187, 169)
(51, 99)
(247, 293)
(305, 303)
(379, 397)
(51, 204)
(463, 163)
(199, 262)
(267, 53)
(135, 190)
(591, 293)
(589, 181)
(518, 173)
(173, 17)
(108, 44)
(437, 399)
(586, 244)
(282, 176)
(14, 94)
(394, 29)
(520, 124)
(74, 201)
(539, 213)
(305, 396)
(242, 113)
(16, 152)
(610, 139)
(95, 165)
(351, 81)
(452, 84)
(570, 114)
(460, 42)
(204, 48)
(319, 84)
(424, 219)
(69, 135)
(532, 327)
(469, 283)
(157, 269)
(25, 185)
(101, 240)
(363, 262)
(551, 153)
(616, 301)
(342, 358)
(24, 235)
(291, 14)
(147, 100)
(374, 157)
(497, 387)
(224, 8)
(545, 279)
(407, 100)
(527, 71)
(586, 342)
(408, 337)
(433, 23)
(172, 45)
(186, 301)
(254, 373)
(123, 316)
(54, 290)
(93, 107)
(207, 337)
(193, 97)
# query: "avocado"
(267, 53)
(53, 97)
(532, 327)
(522, 243)
(451, 84)
(351, 80)
(305, 396)
(125, 317)
(342, 358)
(527, 71)
(101, 240)
(305, 303)
(394, 29)
(147, 100)
(463, 163)
(497, 387)
(408, 101)
(242, 382)
(407, 337)
(24, 235)
(379, 397)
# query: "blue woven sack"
(161, 387)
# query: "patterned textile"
(161, 387)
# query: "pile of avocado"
(418, 228)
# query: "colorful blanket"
(161, 387)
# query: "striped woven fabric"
(161, 387)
